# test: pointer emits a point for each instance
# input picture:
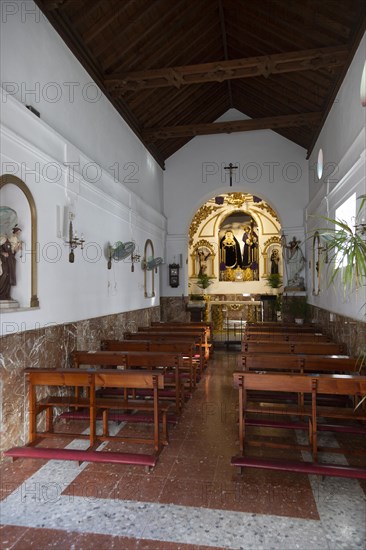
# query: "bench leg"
(105, 423)
(49, 419)
(165, 429)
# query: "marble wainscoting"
(342, 329)
(51, 347)
(174, 308)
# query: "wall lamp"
(73, 242)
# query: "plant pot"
(299, 321)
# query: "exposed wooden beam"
(219, 71)
(267, 123)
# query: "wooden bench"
(172, 331)
(336, 364)
(90, 380)
(352, 386)
(317, 348)
(159, 336)
(281, 327)
(167, 362)
(176, 330)
(191, 360)
(286, 336)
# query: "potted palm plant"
(203, 281)
(274, 280)
(346, 248)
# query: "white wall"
(38, 69)
(343, 141)
(270, 166)
(108, 207)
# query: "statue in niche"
(295, 262)
(275, 262)
(250, 260)
(202, 261)
(230, 254)
(9, 246)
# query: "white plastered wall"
(343, 142)
(80, 154)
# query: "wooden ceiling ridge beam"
(266, 123)
(219, 71)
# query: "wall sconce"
(74, 242)
(135, 258)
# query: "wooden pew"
(90, 380)
(175, 330)
(144, 359)
(167, 337)
(281, 327)
(286, 337)
(341, 364)
(354, 386)
(268, 346)
(191, 360)
(182, 324)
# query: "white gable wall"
(270, 166)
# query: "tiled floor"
(193, 499)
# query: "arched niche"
(9, 179)
(271, 245)
(208, 250)
(149, 283)
(233, 211)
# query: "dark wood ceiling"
(172, 67)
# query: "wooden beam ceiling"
(267, 123)
(219, 71)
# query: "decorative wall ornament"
(198, 218)
(269, 209)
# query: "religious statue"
(295, 262)
(275, 261)
(230, 254)
(202, 261)
(9, 246)
(250, 249)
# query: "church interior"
(183, 275)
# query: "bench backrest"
(59, 377)
(125, 345)
(333, 384)
(305, 363)
(284, 382)
(137, 379)
(148, 345)
(286, 337)
(292, 347)
(126, 358)
(163, 336)
(96, 377)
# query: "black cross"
(231, 167)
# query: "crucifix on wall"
(231, 167)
